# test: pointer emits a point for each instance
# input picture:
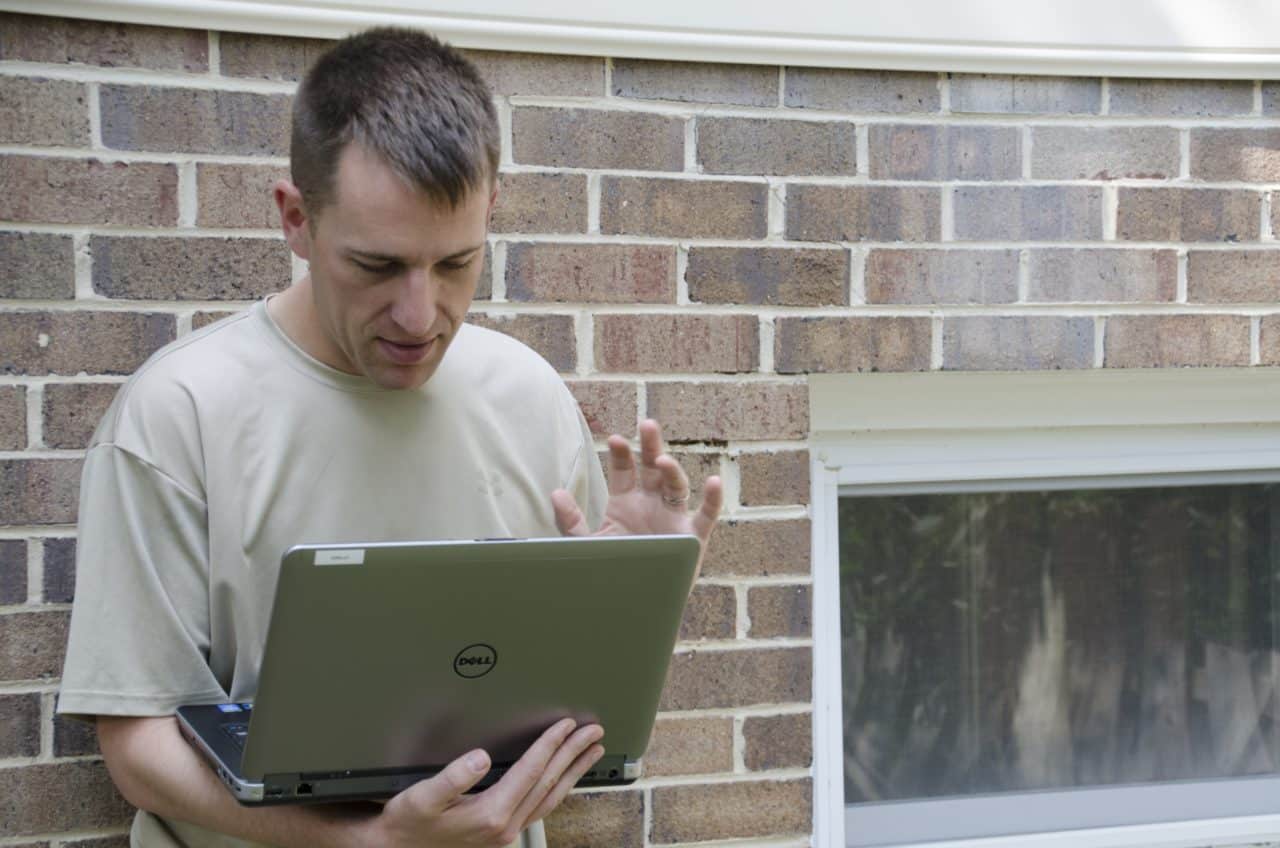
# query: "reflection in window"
(1030, 640)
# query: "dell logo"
(475, 660)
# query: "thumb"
(569, 517)
(442, 791)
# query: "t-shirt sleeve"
(139, 637)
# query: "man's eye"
(384, 268)
(457, 266)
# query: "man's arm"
(156, 769)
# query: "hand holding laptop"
(438, 811)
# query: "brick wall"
(681, 240)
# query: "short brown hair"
(408, 98)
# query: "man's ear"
(293, 218)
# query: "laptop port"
(303, 789)
(613, 774)
(275, 791)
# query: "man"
(330, 412)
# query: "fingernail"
(478, 760)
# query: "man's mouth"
(406, 353)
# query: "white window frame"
(901, 433)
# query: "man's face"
(392, 273)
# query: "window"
(1029, 628)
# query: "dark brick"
(541, 203)
(863, 213)
(1087, 275)
(731, 810)
(770, 478)
(764, 146)
(1040, 343)
(541, 74)
(845, 344)
(13, 572)
(1034, 213)
(43, 111)
(610, 406)
(119, 841)
(59, 571)
(40, 343)
(711, 613)
(1091, 153)
(930, 152)
(738, 678)
(758, 549)
(1003, 93)
(597, 138)
(718, 412)
(777, 742)
(1181, 98)
(683, 208)
(39, 491)
(1236, 155)
(72, 412)
(592, 819)
(941, 276)
(189, 120)
(189, 268)
(595, 273)
(60, 797)
(203, 319)
(1177, 341)
(59, 41)
(677, 343)
(1197, 214)
(1233, 276)
(13, 418)
(552, 336)
(698, 82)
(44, 190)
(20, 725)
(772, 276)
(690, 746)
(74, 738)
(31, 649)
(268, 56)
(778, 611)
(38, 266)
(1270, 98)
(862, 91)
(237, 196)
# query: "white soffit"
(1146, 38)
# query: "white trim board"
(1146, 38)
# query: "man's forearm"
(156, 769)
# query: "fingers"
(580, 766)
(704, 520)
(508, 792)
(569, 517)
(673, 483)
(438, 793)
(571, 754)
(622, 466)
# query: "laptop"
(386, 661)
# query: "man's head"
(394, 162)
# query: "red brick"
(39, 266)
(1201, 214)
(13, 418)
(718, 412)
(1270, 340)
(1086, 275)
(999, 94)
(772, 276)
(19, 725)
(1035, 213)
(758, 549)
(751, 146)
(1175, 341)
(834, 343)
(689, 746)
(268, 56)
(771, 478)
(711, 613)
(43, 111)
(237, 196)
(1092, 153)
(683, 208)
(780, 611)
(541, 203)
(189, 268)
(863, 213)
(1039, 343)
(552, 336)
(190, 120)
(72, 412)
(597, 138)
(39, 491)
(1235, 155)
(941, 276)
(862, 91)
(59, 571)
(13, 575)
(33, 38)
(738, 678)
(31, 648)
(778, 742)
(931, 152)
(1233, 276)
(677, 343)
(594, 273)
(74, 738)
(698, 82)
(60, 797)
(1181, 98)
(592, 819)
(40, 343)
(610, 406)
(731, 810)
(43, 190)
(540, 74)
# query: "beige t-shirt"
(231, 445)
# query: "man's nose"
(414, 309)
